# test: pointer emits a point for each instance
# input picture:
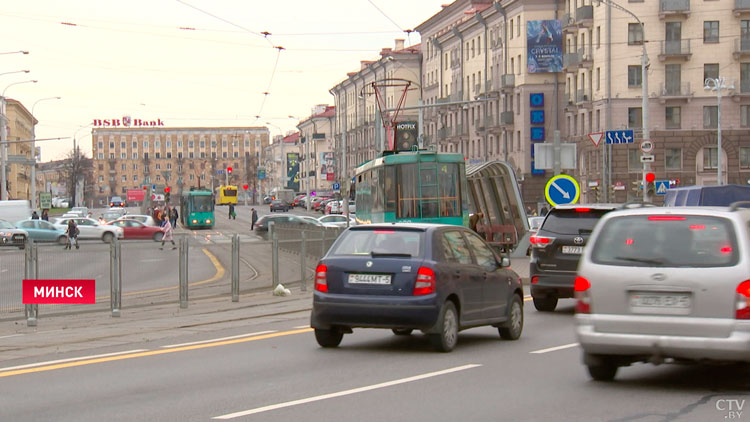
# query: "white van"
(15, 211)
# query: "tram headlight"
(208, 221)
(194, 221)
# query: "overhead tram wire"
(225, 21)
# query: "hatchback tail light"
(742, 301)
(583, 296)
(425, 283)
(541, 241)
(321, 281)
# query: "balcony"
(674, 8)
(496, 43)
(442, 133)
(675, 91)
(677, 49)
(741, 47)
(571, 62)
(458, 130)
(506, 118)
(457, 96)
(477, 89)
(585, 58)
(507, 82)
(585, 16)
(583, 98)
(741, 6)
(568, 23)
(455, 62)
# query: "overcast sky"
(189, 62)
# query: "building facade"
(20, 127)
(181, 158)
(318, 158)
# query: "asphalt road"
(273, 370)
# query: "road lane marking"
(53, 367)
(527, 298)
(218, 339)
(554, 349)
(302, 326)
(12, 335)
(51, 362)
(345, 392)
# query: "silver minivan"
(665, 285)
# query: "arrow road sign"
(596, 137)
(562, 189)
(661, 187)
(619, 136)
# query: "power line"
(386, 16)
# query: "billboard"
(544, 46)
(327, 168)
(135, 195)
(406, 136)
(292, 171)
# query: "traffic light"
(229, 170)
(650, 187)
(612, 193)
(244, 187)
(166, 189)
(595, 190)
(166, 194)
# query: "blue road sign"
(219, 172)
(336, 186)
(619, 136)
(561, 190)
(661, 187)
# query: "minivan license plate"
(369, 279)
(641, 300)
(572, 249)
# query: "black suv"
(556, 249)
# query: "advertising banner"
(406, 136)
(136, 195)
(544, 44)
(327, 169)
(292, 171)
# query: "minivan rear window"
(666, 241)
(379, 241)
(573, 221)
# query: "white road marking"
(12, 335)
(51, 362)
(345, 392)
(554, 349)
(218, 339)
(301, 326)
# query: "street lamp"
(717, 84)
(3, 140)
(33, 150)
(75, 165)
(15, 71)
(16, 52)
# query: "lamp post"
(3, 140)
(76, 160)
(717, 84)
(33, 150)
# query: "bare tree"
(76, 166)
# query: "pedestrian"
(34, 216)
(166, 227)
(45, 215)
(232, 215)
(543, 211)
(253, 219)
(475, 219)
(72, 233)
(173, 216)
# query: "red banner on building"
(136, 195)
(59, 291)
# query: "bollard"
(274, 258)
(115, 277)
(302, 254)
(236, 268)
(31, 269)
(184, 253)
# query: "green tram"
(197, 209)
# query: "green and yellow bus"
(197, 209)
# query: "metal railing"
(675, 89)
(667, 6)
(675, 47)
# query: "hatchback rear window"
(666, 241)
(379, 241)
(573, 221)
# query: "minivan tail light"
(742, 301)
(321, 278)
(541, 241)
(425, 283)
(583, 296)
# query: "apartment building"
(20, 127)
(281, 163)
(182, 158)
(318, 158)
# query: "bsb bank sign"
(127, 121)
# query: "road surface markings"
(345, 392)
(554, 349)
(301, 326)
(218, 339)
(12, 335)
(51, 362)
(90, 360)
(527, 298)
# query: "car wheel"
(605, 370)
(514, 327)
(158, 236)
(545, 304)
(108, 237)
(402, 331)
(62, 240)
(328, 338)
(447, 337)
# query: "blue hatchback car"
(436, 278)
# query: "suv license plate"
(369, 279)
(572, 249)
(651, 300)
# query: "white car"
(145, 219)
(80, 211)
(336, 220)
(89, 228)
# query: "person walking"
(166, 227)
(253, 219)
(173, 216)
(45, 215)
(34, 216)
(72, 233)
(232, 214)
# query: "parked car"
(261, 226)
(336, 220)
(431, 277)
(80, 211)
(60, 202)
(267, 199)
(296, 200)
(116, 201)
(133, 229)
(43, 231)
(312, 220)
(91, 229)
(279, 205)
(145, 219)
(665, 285)
(556, 248)
(10, 235)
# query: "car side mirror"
(505, 262)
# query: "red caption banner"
(59, 291)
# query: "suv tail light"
(742, 307)
(541, 241)
(425, 283)
(321, 282)
(583, 296)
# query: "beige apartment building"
(20, 127)
(181, 158)
(316, 143)
(275, 162)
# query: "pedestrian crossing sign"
(661, 187)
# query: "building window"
(169, 144)
(135, 145)
(145, 156)
(710, 70)
(744, 77)
(158, 166)
(179, 155)
(124, 166)
(135, 177)
(158, 177)
(191, 177)
(744, 158)
(635, 34)
(157, 145)
(634, 160)
(635, 118)
(203, 154)
(598, 36)
(179, 144)
(710, 159)
(673, 158)
(710, 117)
(672, 118)
(203, 144)
(135, 166)
(213, 154)
(135, 155)
(634, 76)
(158, 154)
(191, 144)
(123, 145)
(745, 115)
(124, 189)
(236, 154)
(145, 145)
(101, 145)
(124, 178)
(224, 154)
(247, 143)
(101, 179)
(111, 145)
(123, 155)
(169, 166)
(111, 155)
(191, 154)
(711, 31)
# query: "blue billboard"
(544, 42)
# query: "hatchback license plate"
(650, 300)
(572, 249)
(369, 279)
